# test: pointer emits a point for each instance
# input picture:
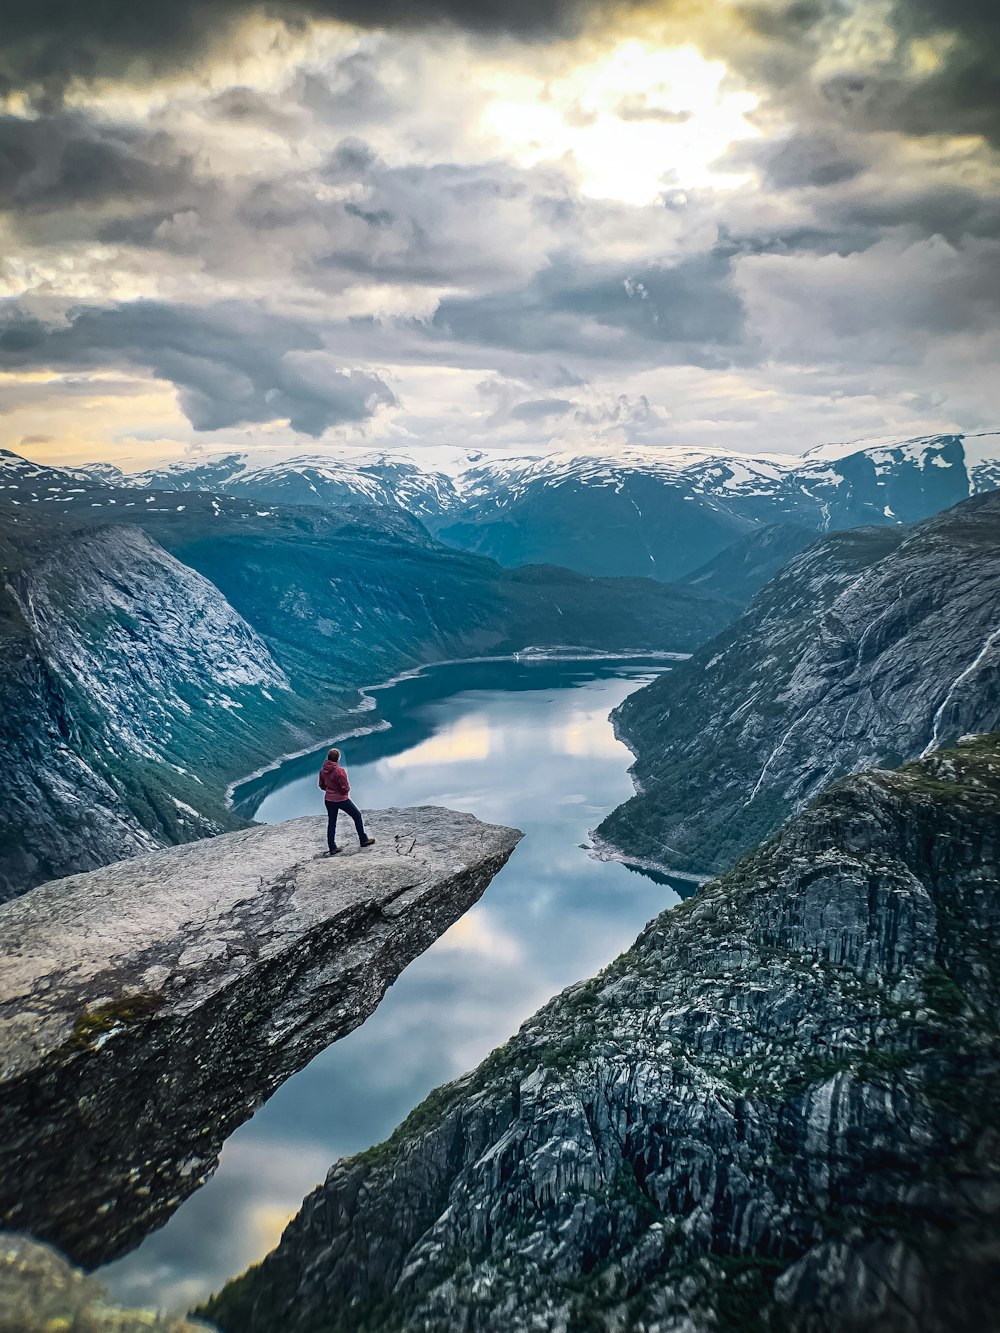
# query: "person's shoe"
(368, 842)
(332, 852)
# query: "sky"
(516, 224)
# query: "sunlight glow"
(470, 739)
(476, 933)
(630, 124)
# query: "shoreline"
(601, 849)
(367, 703)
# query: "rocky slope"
(742, 569)
(135, 684)
(776, 1111)
(148, 1008)
(41, 1293)
(873, 647)
(127, 682)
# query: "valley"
(676, 1139)
(150, 656)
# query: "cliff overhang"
(148, 1008)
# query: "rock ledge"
(148, 1008)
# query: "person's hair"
(334, 755)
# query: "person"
(336, 793)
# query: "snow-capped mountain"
(667, 512)
(330, 479)
(654, 511)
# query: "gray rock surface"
(873, 647)
(776, 1111)
(41, 1293)
(148, 1008)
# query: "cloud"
(230, 365)
(538, 409)
(637, 107)
(49, 43)
(72, 175)
(689, 311)
(808, 159)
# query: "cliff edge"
(148, 1008)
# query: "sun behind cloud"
(628, 123)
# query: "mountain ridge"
(128, 632)
(873, 646)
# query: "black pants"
(333, 809)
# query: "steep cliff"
(148, 1008)
(127, 685)
(776, 1111)
(872, 647)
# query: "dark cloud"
(961, 95)
(689, 312)
(68, 174)
(537, 409)
(886, 88)
(47, 43)
(639, 108)
(809, 159)
(230, 365)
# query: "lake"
(526, 743)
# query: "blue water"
(521, 743)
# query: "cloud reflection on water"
(527, 744)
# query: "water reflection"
(526, 744)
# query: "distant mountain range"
(873, 646)
(117, 647)
(661, 512)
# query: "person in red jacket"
(337, 790)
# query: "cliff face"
(126, 682)
(776, 1111)
(871, 647)
(148, 1008)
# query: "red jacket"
(333, 780)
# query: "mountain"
(666, 512)
(127, 684)
(774, 1114)
(153, 650)
(871, 647)
(742, 569)
(656, 511)
(378, 479)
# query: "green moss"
(107, 1019)
(741, 1291)
(942, 993)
